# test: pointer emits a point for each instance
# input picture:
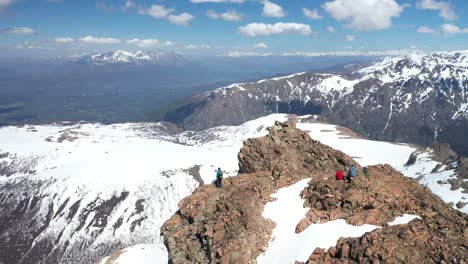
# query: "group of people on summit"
(339, 176)
(352, 173)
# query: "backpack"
(219, 174)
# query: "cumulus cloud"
(364, 15)
(331, 29)
(17, 30)
(312, 14)
(260, 45)
(99, 40)
(149, 43)
(445, 8)
(217, 1)
(452, 29)
(181, 20)
(271, 9)
(64, 40)
(261, 29)
(157, 11)
(426, 30)
(230, 15)
(161, 12)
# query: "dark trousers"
(219, 182)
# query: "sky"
(231, 27)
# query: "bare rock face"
(226, 225)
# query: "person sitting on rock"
(219, 178)
(339, 176)
(352, 172)
(366, 172)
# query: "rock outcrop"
(226, 225)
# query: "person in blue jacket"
(352, 172)
(219, 178)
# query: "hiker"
(219, 178)
(366, 172)
(339, 176)
(352, 172)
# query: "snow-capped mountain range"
(135, 57)
(426, 94)
(75, 193)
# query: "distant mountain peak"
(136, 57)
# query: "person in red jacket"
(339, 176)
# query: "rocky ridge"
(226, 225)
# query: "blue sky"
(58, 27)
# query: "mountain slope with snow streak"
(76, 193)
(426, 94)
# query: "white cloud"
(247, 54)
(17, 30)
(350, 37)
(271, 9)
(230, 15)
(353, 53)
(331, 29)
(260, 45)
(217, 1)
(193, 46)
(161, 12)
(452, 29)
(364, 15)
(157, 11)
(312, 14)
(260, 29)
(98, 40)
(64, 40)
(445, 8)
(426, 30)
(181, 20)
(128, 4)
(148, 43)
(28, 45)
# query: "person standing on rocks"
(219, 178)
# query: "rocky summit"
(226, 225)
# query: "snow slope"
(87, 165)
(91, 165)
